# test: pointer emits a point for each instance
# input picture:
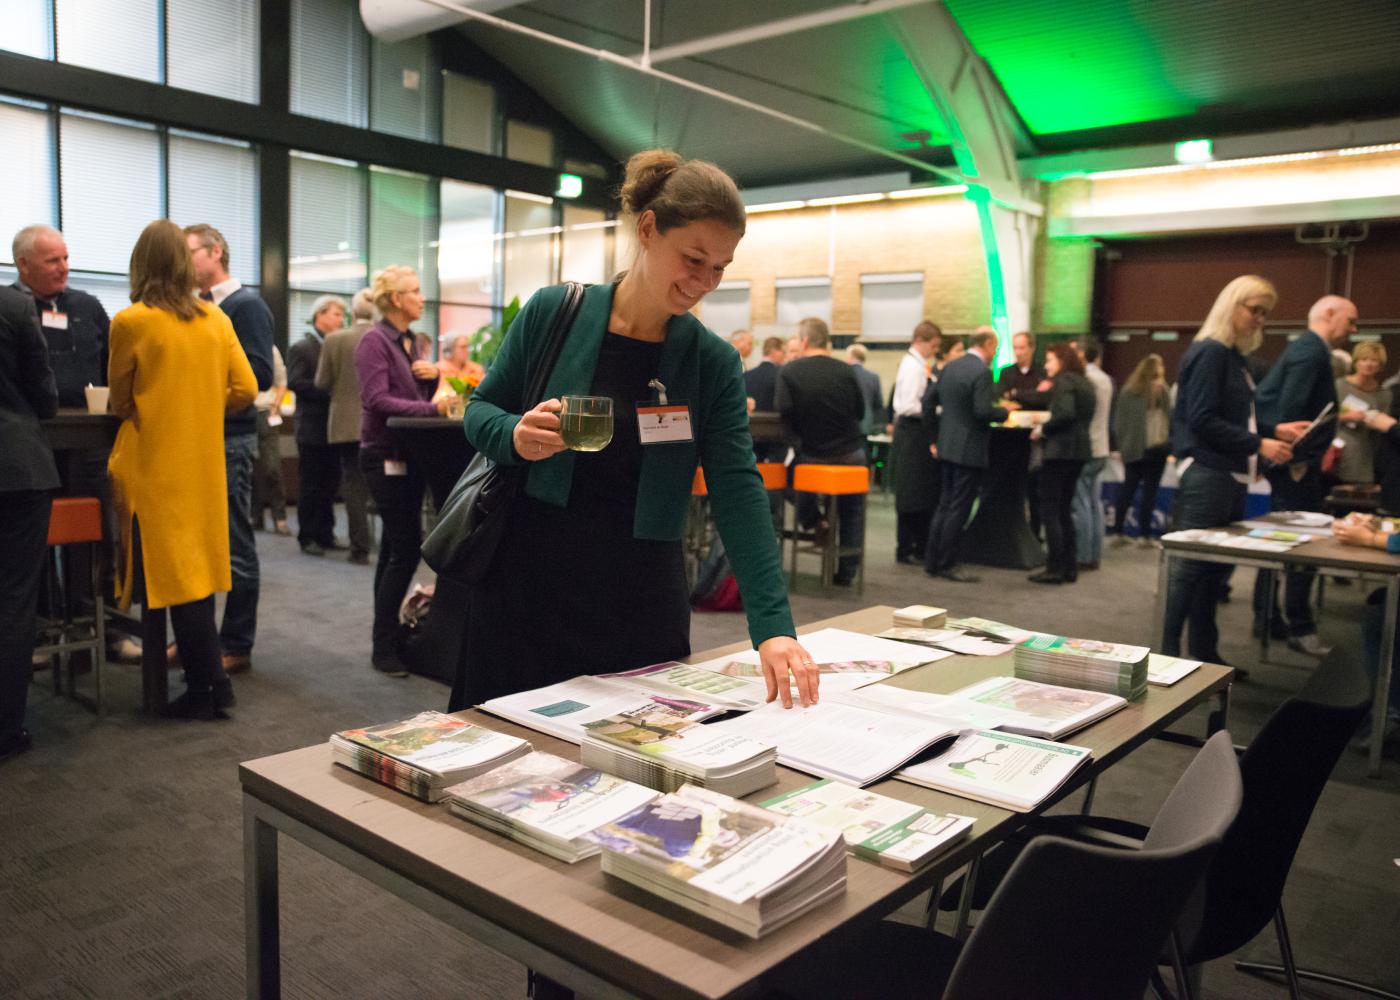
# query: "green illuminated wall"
(1064, 269)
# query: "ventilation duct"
(395, 20)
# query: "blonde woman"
(394, 382)
(1142, 426)
(175, 369)
(1358, 464)
(1217, 441)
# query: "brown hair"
(162, 271)
(680, 191)
(927, 331)
(1067, 356)
(1145, 375)
(814, 332)
(771, 344)
(210, 237)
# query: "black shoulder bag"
(463, 543)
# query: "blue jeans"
(1088, 511)
(1207, 498)
(241, 608)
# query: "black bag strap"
(563, 319)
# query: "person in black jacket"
(1217, 440)
(1067, 448)
(28, 394)
(760, 383)
(319, 462)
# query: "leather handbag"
(463, 543)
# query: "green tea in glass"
(586, 422)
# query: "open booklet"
(1001, 769)
(846, 659)
(1006, 703)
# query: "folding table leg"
(262, 935)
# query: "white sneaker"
(1309, 644)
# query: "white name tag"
(663, 424)
(392, 467)
(54, 320)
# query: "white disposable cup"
(97, 398)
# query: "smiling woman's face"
(682, 265)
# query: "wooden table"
(600, 936)
(1324, 554)
(72, 428)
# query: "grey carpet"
(121, 866)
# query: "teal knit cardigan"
(697, 368)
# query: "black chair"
(1285, 770)
(1071, 920)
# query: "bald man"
(1298, 387)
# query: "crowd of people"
(199, 387)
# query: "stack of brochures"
(548, 803)
(424, 754)
(921, 616)
(744, 867)
(659, 746)
(877, 828)
(1083, 663)
(564, 709)
(1014, 772)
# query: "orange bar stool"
(830, 482)
(774, 475)
(76, 521)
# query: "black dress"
(570, 590)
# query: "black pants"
(356, 494)
(1033, 495)
(400, 503)
(24, 540)
(1288, 494)
(1207, 498)
(196, 632)
(911, 533)
(956, 494)
(318, 474)
(1147, 473)
(1058, 479)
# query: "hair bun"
(646, 174)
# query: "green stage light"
(570, 186)
(1194, 151)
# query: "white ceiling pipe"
(395, 20)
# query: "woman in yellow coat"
(175, 366)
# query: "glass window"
(726, 309)
(407, 95)
(216, 181)
(529, 244)
(587, 251)
(891, 305)
(25, 28)
(468, 113)
(330, 56)
(121, 38)
(327, 225)
(466, 256)
(211, 46)
(112, 186)
(27, 137)
(403, 224)
(112, 290)
(529, 143)
(799, 298)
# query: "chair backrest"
(1079, 920)
(1285, 770)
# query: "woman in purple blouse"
(393, 384)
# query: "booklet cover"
(1045, 710)
(1165, 671)
(1001, 769)
(896, 834)
(681, 680)
(658, 729)
(434, 742)
(564, 709)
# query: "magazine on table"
(1007, 703)
(423, 754)
(1001, 769)
(735, 863)
(834, 645)
(878, 828)
(681, 680)
(564, 709)
(548, 803)
(1165, 671)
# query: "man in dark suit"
(318, 462)
(760, 383)
(252, 322)
(964, 395)
(1299, 387)
(27, 478)
(869, 382)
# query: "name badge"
(393, 467)
(663, 424)
(53, 319)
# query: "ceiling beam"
(770, 29)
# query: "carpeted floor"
(121, 866)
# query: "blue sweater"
(252, 322)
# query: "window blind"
(216, 181)
(798, 301)
(330, 59)
(529, 143)
(890, 309)
(212, 47)
(468, 113)
(24, 28)
(121, 38)
(403, 224)
(111, 187)
(406, 97)
(327, 225)
(27, 136)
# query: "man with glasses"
(1299, 387)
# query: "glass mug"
(586, 422)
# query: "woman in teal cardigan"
(589, 576)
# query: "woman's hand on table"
(1358, 532)
(783, 655)
(536, 436)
